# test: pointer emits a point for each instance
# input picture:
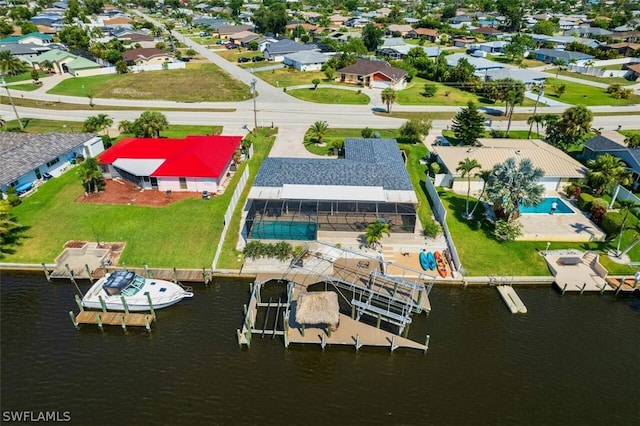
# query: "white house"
(308, 60)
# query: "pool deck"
(559, 227)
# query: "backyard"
(212, 84)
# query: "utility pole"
(15, 111)
(255, 111)
(535, 108)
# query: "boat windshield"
(133, 288)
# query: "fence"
(232, 206)
(598, 72)
(441, 215)
(622, 193)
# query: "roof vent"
(518, 152)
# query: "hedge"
(585, 201)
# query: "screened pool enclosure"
(301, 220)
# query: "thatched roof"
(318, 308)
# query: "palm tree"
(89, 172)
(375, 232)
(626, 207)
(318, 130)
(484, 175)
(152, 123)
(559, 63)
(589, 64)
(604, 171)
(389, 97)
(97, 123)
(634, 241)
(633, 141)
(9, 64)
(466, 167)
(537, 119)
(46, 66)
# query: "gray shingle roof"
(606, 141)
(562, 54)
(285, 46)
(23, 152)
(368, 162)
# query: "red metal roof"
(193, 156)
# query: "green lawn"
(23, 76)
(513, 134)
(286, 77)
(604, 80)
(330, 96)
(183, 234)
(581, 94)
(39, 125)
(445, 95)
(27, 87)
(196, 83)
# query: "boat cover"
(118, 280)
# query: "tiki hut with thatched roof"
(318, 308)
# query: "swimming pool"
(545, 207)
(275, 230)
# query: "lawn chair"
(206, 195)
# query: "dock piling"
(353, 311)
(564, 288)
(244, 309)
(584, 285)
(175, 276)
(619, 287)
(124, 304)
(146, 271)
(124, 324)
(146, 323)
(79, 303)
(358, 344)
(99, 320)
(604, 287)
(104, 268)
(302, 330)
(378, 321)
(393, 344)
(285, 318)
(73, 320)
(86, 267)
(239, 334)
(104, 305)
(426, 343)
(153, 312)
(323, 342)
(47, 275)
(204, 277)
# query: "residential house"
(561, 41)
(119, 21)
(549, 56)
(530, 78)
(31, 38)
(224, 32)
(264, 42)
(374, 74)
(66, 62)
(29, 158)
(24, 51)
(305, 26)
(624, 48)
(635, 71)
(480, 64)
(204, 21)
(588, 32)
(559, 168)
(460, 20)
(399, 30)
(338, 20)
(276, 51)
(612, 142)
(493, 47)
(487, 32)
(195, 163)
(464, 41)
(325, 199)
(628, 36)
(430, 34)
(139, 40)
(147, 56)
(396, 48)
(243, 38)
(307, 60)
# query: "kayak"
(442, 267)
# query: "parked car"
(243, 59)
(185, 59)
(257, 58)
(442, 141)
(231, 46)
(222, 42)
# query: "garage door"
(381, 84)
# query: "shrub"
(611, 223)
(257, 249)
(434, 169)
(366, 132)
(430, 90)
(585, 201)
(597, 213)
(432, 229)
(507, 231)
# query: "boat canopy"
(117, 281)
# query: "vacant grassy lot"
(445, 95)
(38, 125)
(581, 94)
(285, 77)
(64, 106)
(196, 83)
(325, 95)
(183, 234)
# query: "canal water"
(572, 360)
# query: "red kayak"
(441, 265)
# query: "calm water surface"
(572, 360)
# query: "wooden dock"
(511, 299)
(168, 274)
(122, 319)
(624, 284)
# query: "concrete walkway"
(289, 143)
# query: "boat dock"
(511, 299)
(112, 318)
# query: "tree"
(415, 129)
(5, 28)
(271, 18)
(97, 123)
(94, 7)
(151, 123)
(27, 27)
(366, 133)
(9, 64)
(315, 82)
(389, 97)
(429, 90)
(633, 141)
(513, 94)
(634, 241)
(468, 124)
(46, 66)
(318, 130)
(375, 232)
(559, 63)
(512, 185)
(573, 125)
(519, 44)
(513, 12)
(121, 67)
(75, 37)
(605, 171)
(10, 229)
(466, 167)
(330, 73)
(89, 173)
(372, 37)
(484, 175)
(626, 207)
(537, 119)
(35, 76)
(545, 27)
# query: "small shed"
(318, 308)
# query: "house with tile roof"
(195, 163)
(399, 29)
(559, 168)
(147, 56)
(430, 34)
(374, 74)
(308, 198)
(612, 142)
(28, 158)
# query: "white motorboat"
(136, 291)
